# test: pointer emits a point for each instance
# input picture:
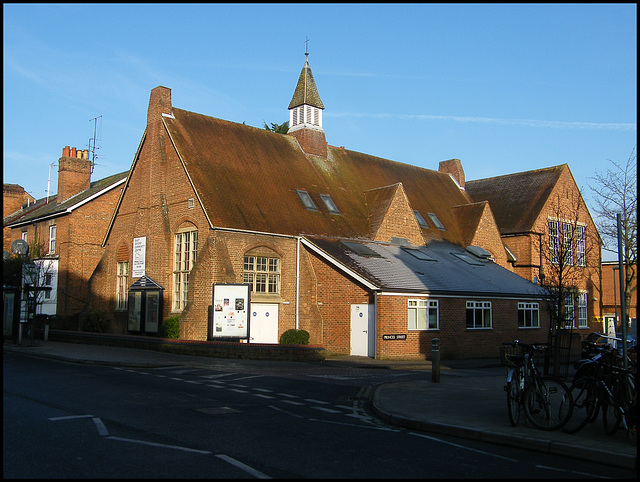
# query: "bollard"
(46, 332)
(435, 360)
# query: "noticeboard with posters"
(230, 314)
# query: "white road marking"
(153, 444)
(102, 430)
(311, 400)
(240, 465)
(237, 390)
(284, 411)
(292, 402)
(461, 446)
(69, 417)
(263, 396)
(328, 410)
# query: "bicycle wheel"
(584, 404)
(611, 416)
(513, 398)
(547, 403)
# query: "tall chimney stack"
(74, 173)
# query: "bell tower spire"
(305, 113)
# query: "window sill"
(266, 298)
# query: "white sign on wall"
(139, 257)
(230, 311)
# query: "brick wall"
(456, 341)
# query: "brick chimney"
(74, 173)
(454, 168)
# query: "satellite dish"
(19, 247)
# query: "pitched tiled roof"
(247, 178)
(306, 91)
(44, 209)
(396, 269)
(516, 199)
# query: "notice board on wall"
(230, 317)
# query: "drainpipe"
(298, 284)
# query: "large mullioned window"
(185, 249)
(262, 273)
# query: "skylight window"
(421, 221)
(436, 221)
(469, 259)
(329, 204)
(306, 200)
(361, 249)
(416, 253)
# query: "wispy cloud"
(490, 120)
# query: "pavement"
(468, 401)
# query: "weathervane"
(306, 46)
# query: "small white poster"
(139, 257)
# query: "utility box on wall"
(145, 306)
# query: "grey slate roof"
(397, 270)
(45, 209)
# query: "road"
(232, 419)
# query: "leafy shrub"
(295, 337)
(95, 322)
(170, 327)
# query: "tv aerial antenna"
(97, 136)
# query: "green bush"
(95, 322)
(295, 337)
(170, 327)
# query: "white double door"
(363, 330)
(264, 323)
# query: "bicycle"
(545, 400)
(601, 382)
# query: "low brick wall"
(215, 349)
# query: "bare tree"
(570, 255)
(616, 193)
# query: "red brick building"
(611, 298)
(370, 256)
(548, 232)
(65, 231)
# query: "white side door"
(363, 330)
(263, 326)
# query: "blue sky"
(503, 88)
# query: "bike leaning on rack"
(602, 383)
(545, 400)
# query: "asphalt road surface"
(233, 419)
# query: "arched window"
(184, 257)
(262, 270)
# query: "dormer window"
(306, 200)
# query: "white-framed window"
(581, 246)
(185, 251)
(423, 315)
(554, 241)
(569, 310)
(24, 236)
(263, 273)
(583, 321)
(52, 239)
(122, 284)
(47, 281)
(528, 315)
(478, 314)
(567, 243)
